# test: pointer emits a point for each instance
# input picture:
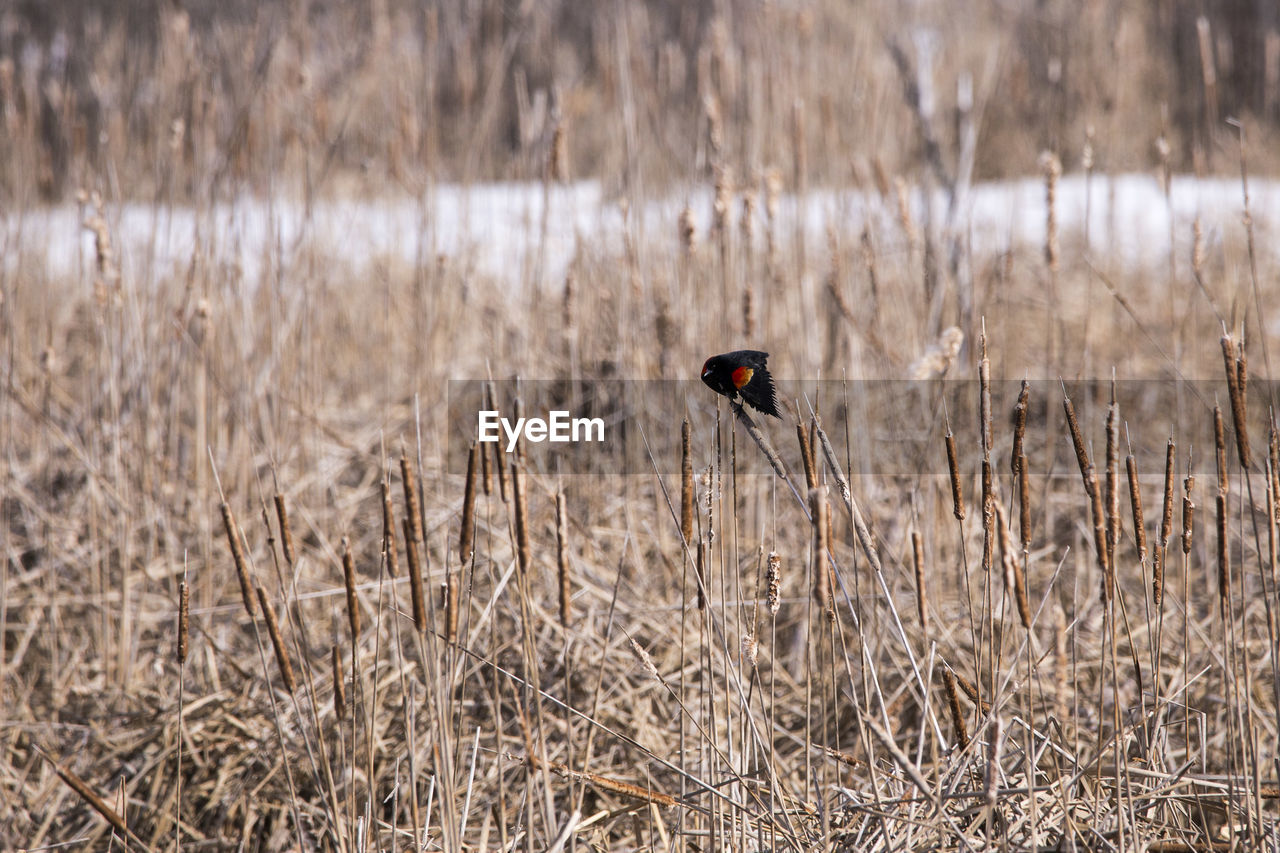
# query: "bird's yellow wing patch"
(741, 376)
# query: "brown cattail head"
(988, 513)
(1024, 502)
(286, 532)
(237, 557)
(1135, 504)
(994, 747)
(1020, 427)
(984, 395)
(520, 492)
(807, 457)
(277, 642)
(922, 599)
(1220, 449)
(1238, 390)
(562, 559)
(389, 531)
(1188, 514)
(1077, 441)
(411, 505)
(1166, 528)
(953, 469)
(184, 620)
(415, 577)
(1100, 537)
(339, 686)
(452, 587)
(353, 603)
(700, 567)
(819, 511)
(953, 703)
(774, 577)
(686, 484)
(1051, 166)
(1014, 579)
(1113, 475)
(466, 537)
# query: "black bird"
(743, 373)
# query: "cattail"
(467, 536)
(1224, 552)
(774, 576)
(1024, 502)
(686, 484)
(349, 576)
(184, 620)
(1237, 369)
(1220, 449)
(237, 557)
(339, 686)
(806, 456)
(498, 461)
(988, 517)
(1113, 474)
(1100, 539)
(953, 469)
(1077, 440)
(415, 577)
(645, 659)
(821, 544)
(1014, 578)
(1051, 166)
(1166, 527)
(1017, 458)
(286, 531)
(1135, 504)
(984, 394)
(994, 747)
(562, 559)
(411, 506)
(750, 649)
(1188, 514)
(389, 531)
(277, 642)
(520, 491)
(953, 703)
(700, 565)
(922, 600)
(91, 797)
(451, 595)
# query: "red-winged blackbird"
(742, 373)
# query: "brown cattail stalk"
(520, 492)
(700, 565)
(1135, 504)
(686, 484)
(452, 588)
(237, 557)
(466, 537)
(277, 642)
(353, 603)
(1017, 459)
(411, 506)
(922, 599)
(415, 577)
(988, 515)
(1224, 553)
(953, 703)
(184, 621)
(1166, 526)
(562, 559)
(389, 531)
(286, 531)
(953, 469)
(1024, 502)
(1188, 514)
(339, 685)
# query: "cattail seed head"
(238, 558)
(184, 620)
(349, 577)
(277, 642)
(774, 577)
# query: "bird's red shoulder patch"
(741, 376)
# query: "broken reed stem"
(184, 621)
(353, 603)
(806, 456)
(1166, 526)
(466, 536)
(686, 484)
(339, 686)
(922, 600)
(1135, 505)
(821, 514)
(277, 642)
(1238, 392)
(389, 531)
(562, 559)
(519, 490)
(953, 704)
(286, 530)
(415, 577)
(757, 435)
(953, 469)
(237, 557)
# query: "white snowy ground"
(497, 228)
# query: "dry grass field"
(255, 595)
